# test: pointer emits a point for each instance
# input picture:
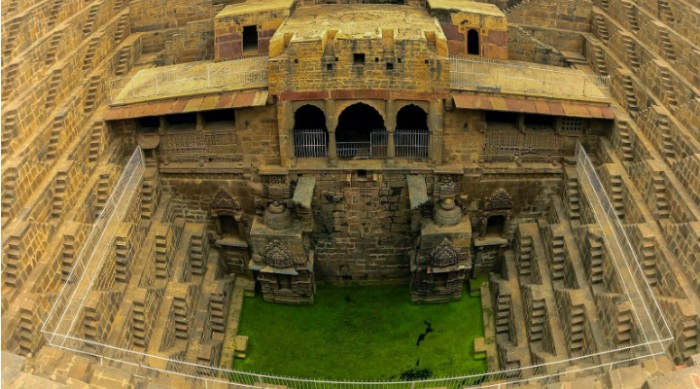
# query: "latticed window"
(572, 124)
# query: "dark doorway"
(539, 121)
(310, 133)
(182, 121)
(411, 138)
(412, 117)
(495, 225)
(284, 281)
(473, 42)
(250, 38)
(361, 133)
(501, 117)
(356, 123)
(309, 117)
(228, 224)
(148, 124)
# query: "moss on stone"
(361, 333)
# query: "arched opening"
(310, 133)
(473, 42)
(361, 133)
(411, 135)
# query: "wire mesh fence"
(61, 327)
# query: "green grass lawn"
(361, 333)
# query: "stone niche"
(230, 240)
(442, 258)
(492, 236)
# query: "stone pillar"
(200, 121)
(390, 128)
(285, 120)
(435, 116)
(162, 124)
(331, 123)
(521, 122)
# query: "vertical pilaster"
(285, 120)
(435, 119)
(200, 121)
(162, 124)
(331, 123)
(390, 121)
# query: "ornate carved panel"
(277, 254)
(445, 254)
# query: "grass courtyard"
(362, 333)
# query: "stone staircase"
(96, 141)
(52, 51)
(631, 50)
(599, 61)
(502, 314)
(600, 27)
(596, 257)
(625, 146)
(54, 83)
(572, 195)
(524, 256)
(617, 195)
(122, 28)
(93, 94)
(89, 55)
(577, 326)
(631, 12)
(59, 194)
(668, 149)
(661, 205)
(665, 9)
(668, 90)
(666, 45)
(12, 256)
(53, 14)
(55, 137)
(122, 66)
(9, 76)
(630, 96)
(10, 40)
(648, 259)
(91, 19)
(556, 252)
(7, 198)
(197, 252)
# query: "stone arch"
(342, 105)
(309, 131)
(309, 116)
(411, 117)
(356, 121)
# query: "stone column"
(331, 123)
(200, 121)
(285, 120)
(435, 116)
(521, 122)
(390, 122)
(162, 124)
